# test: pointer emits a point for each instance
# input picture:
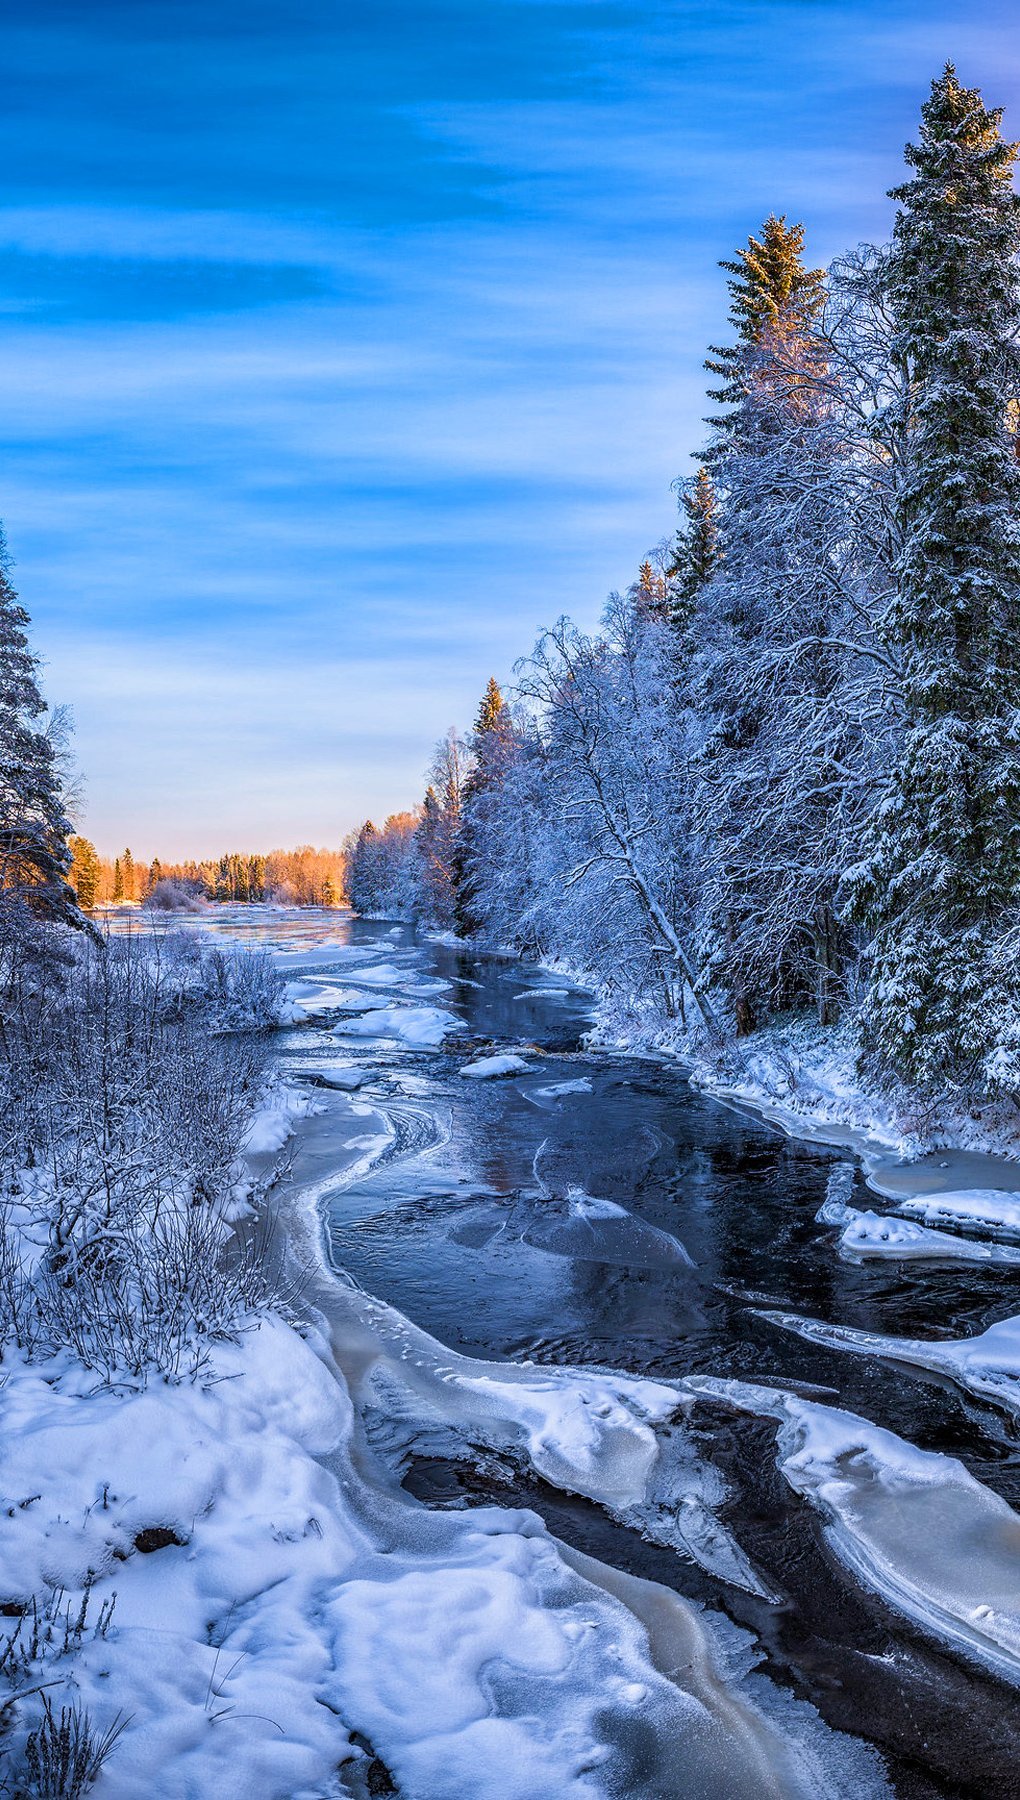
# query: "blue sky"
(344, 345)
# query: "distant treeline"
(302, 877)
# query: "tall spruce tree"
(942, 885)
(695, 553)
(35, 856)
(773, 300)
(85, 872)
(764, 596)
(488, 746)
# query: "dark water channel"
(451, 1227)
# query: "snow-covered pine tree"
(766, 667)
(490, 746)
(942, 884)
(694, 553)
(35, 856)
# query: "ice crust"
(590, 1229)
(915, 1526)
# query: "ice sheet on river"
(913, 1525)
(576, 1225)
(987, 1365)
(309, 997)
(870, 1235)
(616, 1439)
(984, 1209)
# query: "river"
(593, 1209)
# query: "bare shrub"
(177, 896)
(65, 1753)
(48, 1630)
(128, 1078)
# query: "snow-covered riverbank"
(805, 1078)
(225, 1576)
(271, 1616)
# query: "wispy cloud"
(341, 349)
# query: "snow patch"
(423, 1027)
(487, 1067)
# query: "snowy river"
(837, 1517)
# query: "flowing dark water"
(460, 1224)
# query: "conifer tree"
(362, 869)
(766, 589)
(118, 879)
(773, 300)
(696, 550)
(649, 592)
(489, 742)
(85, 872)
(127, 870)
(491, 709)
(35, 856)
(944, 877)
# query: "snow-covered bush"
(128, 1084)
(177, 896)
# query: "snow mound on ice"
(273, 1124)
(423, 1027)
(990, 1208)
(488, 1067)
(875, 1235)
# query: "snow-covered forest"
(782, 779)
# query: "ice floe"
(987, 1365)
(985, 1209)
(870, 1235)
(914, 1526)
(558, 1090)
